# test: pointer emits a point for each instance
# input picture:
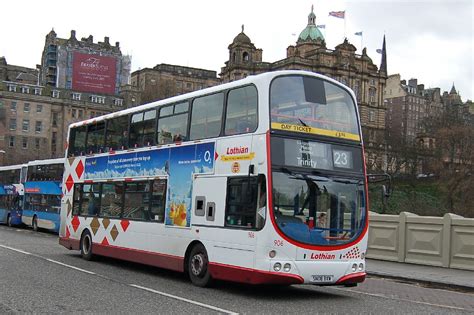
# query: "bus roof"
(12, 167)
(46, 162)
(213, 89)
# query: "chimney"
(117, 44)
(106, 40)
(413, 82)
(90, 39)
(73, 34)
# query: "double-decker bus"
(11, 193)
(43, 194)
(260, 180)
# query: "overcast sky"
(429, 40)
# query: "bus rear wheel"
(198, 266)
(86, 246)
(35, 224)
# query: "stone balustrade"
(436, 241)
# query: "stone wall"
(445, 242)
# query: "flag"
(338, 14)
(358, 33)
(379, 51)
(321, 26)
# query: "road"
(38, 275)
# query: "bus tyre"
(86, 245)
(35, 224)
(9, 220)
(198, 266)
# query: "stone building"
(408, 105)
(310, 53)
(83, 65)
(163, 81)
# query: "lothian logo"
(94, 63)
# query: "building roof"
(241, 38)
(311, 32)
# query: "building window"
(11, 88)
(189, 85)
(24, 143)
(11, 143)
(39, 108)
(38, 126)
(55, 120)
(26, 107)
(76, 96)
(25, 89)
(12, 124)
(37, 143)
(38, 91)
(98, 99)
(55, 93)
(26, 125)
(118, 102)
(81, 113)
(372, 116)
(73, 113)
(13, 106)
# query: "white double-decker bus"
(260, 180)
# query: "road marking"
(50, 260)
(132, 285)
(404, 300)
(69, 266)
(16, 250)
(183, 299)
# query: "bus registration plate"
(322, 278)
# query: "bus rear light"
(272, 254)
(277, 266)
(287, 267)
(354, 267)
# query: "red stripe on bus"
(352, 278)
(294, 242)
(128, 179)
(251, 276)
(171, 262)
(88, 181)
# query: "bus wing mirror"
(382, 178)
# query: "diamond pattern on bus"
(69, 183)
(75, 223)
(95, 224)
(124, 224)
(79, 169)
(114, 232)
(105, 223)
(104, 241)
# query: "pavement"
(428, 275)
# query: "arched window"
(245, 56)
(234, 57)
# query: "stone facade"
(164, 80)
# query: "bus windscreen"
(313, 106)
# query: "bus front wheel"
(198, 266)
(86, 246)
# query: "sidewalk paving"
(437, 276)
